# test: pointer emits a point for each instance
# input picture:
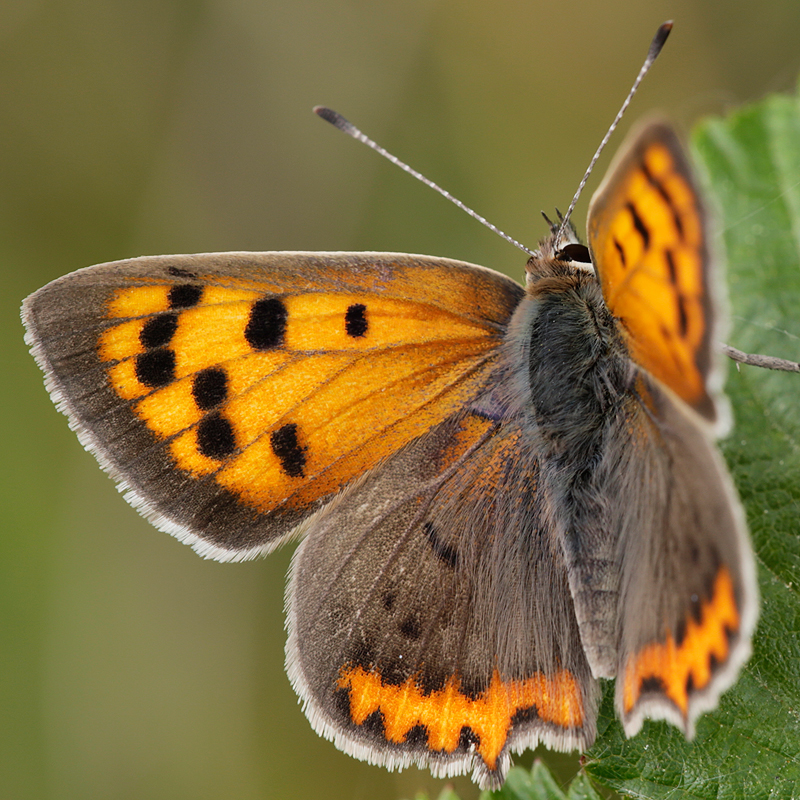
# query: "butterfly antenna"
(338, 121)
(655, 48)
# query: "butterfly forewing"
(648, 236)
(234, 394)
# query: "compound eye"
(574, 252)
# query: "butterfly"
(503, 493)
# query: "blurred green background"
(130, 667)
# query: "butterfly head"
(561, 252)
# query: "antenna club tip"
(658, 40)
(328, 114)
(335, 119)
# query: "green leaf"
(539, 784)
(750, 746)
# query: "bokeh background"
(130, 667)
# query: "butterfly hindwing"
(234, 394)
(688, 597)
(430, 621)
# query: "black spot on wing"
(179, 272)
(683, 318)
(523, 716)
(266, 327)
(468, 738)
(417, 737)
(156, 368)
(444, 552)
(373, 724)
(659, 187)
(215, 437)
(341, 702)
(652, 684)
(287, 448)
(185, 295)
(638, 223)
(410, 627)
(673, 273)
(210, 388)
(355, 320)
(620, 252)
(158, 330)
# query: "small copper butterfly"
(505, 493)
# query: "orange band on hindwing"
(446, 712)
(680, 668)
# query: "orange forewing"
(348, 399)
(647, 237)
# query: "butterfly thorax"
(579, 368)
